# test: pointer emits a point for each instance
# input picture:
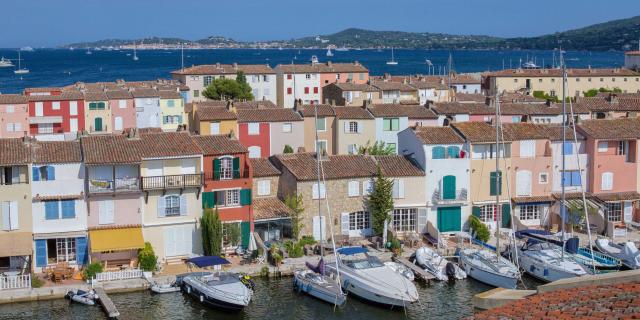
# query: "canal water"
(273, 299)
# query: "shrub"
(276, 256)
(264, 271)
(296, 251)
(480, 229)
(147, 258)
(287, 149)
(305, 240)
(36, 282)
(91, 270)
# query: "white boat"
(321, 286)
(530, 65)
(486, 267)
(401, 269)
(438, 266)
(366, 277)
(84, 297)
(329, 53)
(627, 252)
(314, 59)
(20, 69)
(4, 63)
(393, 62)
(164, 288)
(27, 48)
(545, 261)
(342, 49)
(135, 55)
(88, 51)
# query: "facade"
(396, 92)
(393, 118)
(123, 111)
(355, 128)
(213, 120)
(350, 94)
(272, 218)
(267, 131)
(434, 91)
(97, 113)
(171, 110)
(297, 83)
(147, 104)
(324, 127)
(14, 116)
(261, 78)
(54, 114)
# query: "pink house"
(343, 72)
(123, 111)
(14, 116)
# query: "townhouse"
(350, 94)
(171, 110)
(213, 120)
(147, 104)
(435, 91)
(393, 118)
(261, 78)
(58, 205)
(272, 217)
(355, 128)
(227, 185)
(610, 106)
(123, 111)
(267, 131)
(16, 237)
(395, 92)
(52, 112)
(97, 113)
(319, 122)
(14, 116)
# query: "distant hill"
(620, 34)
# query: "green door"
(97, 124)
(245, 229)
(449, 219)
(449, 187)
(506, 216)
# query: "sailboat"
(329, 53)
(20, 70)
(135, 56)
(393, 62)
(314, 281)
(88, 51)
(480, 263)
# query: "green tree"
(245, 88)
(295, 203)
(591, 93)
(147, 258)
(287, 149)
(379, 148)
(380, 202)
(211, 232)
(229, 89)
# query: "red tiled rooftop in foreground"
(620, 301)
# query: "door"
(97, 124)
(523, 183)
(118, 123)
(73, 125)
(449, 219)
(449, 187)
(319, 226)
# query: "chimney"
(235, 66)
(487, 100)
(229, 105)
(366, 104)
(613, 97)
(548, 103)
(301, 150)
(329, 64)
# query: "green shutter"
(245, 228)
(506, 216)
(449, 219)
(208, 200)
(476, 212)
(386, 124)
(437, 152)
(216, 169)
(495, 183)
(448, 187)
(245, 197)
(236, 168)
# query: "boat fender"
(189, 289)
(450, 271)
(201, 298)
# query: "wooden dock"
(107, 304)
(417, 271)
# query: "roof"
(358, 113)
(14, 151)
(554, 132)
(401, 110)
(262, 167)
(324, 110)
(618, 196)
(56, 151)
(218, 68)
(270, 208)
(437, 135)
(609, 103)
(391, 85)
(611, 129)
(145, 93)
(350, 86)
(119, 94)
(95, 96)
(632, 53)
(260, 104)
(168, 144)
(65, 95)
(111, 149)
(213, 145)
(207, 113)
(268, 115)
(327, 67)
(524, 131)
(398, 166)
(521, 200)
(600, 72)
(476, 132)
(12, 99)
(169, 94)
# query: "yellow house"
(97, 114)
(212, 120)
(172, 110)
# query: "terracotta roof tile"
(398, 166)
(476, 132)
(168, 144)
(261, 104)
(327, 67)
(524, 131)
(532, 199)
(56, 152)
(14, 151)
(401, 110)
(214, 69)
(95, 96)
(119, 94)
(215, 113)
(111, 149)
(262, 167)
(391, 85)
(169, 94)
(618, 196)
(438, 135)
(13, 99)
(66, 95)
(600, 72)
(145, 93)
(554, 133)
(611, 129)
(268, 115)
(214, 145)
(303, 166)
(324, 110)
(270, 208)
(352, 113)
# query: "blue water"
(51, 67)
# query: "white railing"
(15, 282)
(118, 275)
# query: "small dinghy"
(316, 283)
(627, 252)
(438, 266)
(406, 272)
(81, 296)
(602, 262)
(165, 288)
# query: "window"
(354, 188)
(361, 76)
(495, 183)
(254, 128)
(540, 80)
(226, 198)
(289, 91)
(286, 127)
(337, 76)
(367, 187)
(321, 147)
(232, 197)
(265, 78)
(226, 168)
(623, 146)
(10, 109)
(289, 76)
(488, 151)
(196, 93)
(214, 127)
(171, 103)
(352, 127)
(264, 187)
(206, 81)
(398, 188)
(105, 212)
(359, 220)
(307, 76)
(229, 233)
(614, 211)
(45, 128)
(438, 152)
(172, 205)
(529, 212)
(404, 219)
(61, 250)
(9, 210)
(527, 148)
(96, 105)
(256, 94)
(321, 124)
(571, 178)
(44, 173)
(488, 213)
(543, 178)
(352, 149)
(122, 104)
(255, 152)
(55, 105)
(607, 181)
(54, 208)
(603, 146)
(306, 90)
(315, 89)
(515, 80)
(390, 124)
(568, 148)
(39, 111)
(318, 193)
(267, 92)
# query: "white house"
(298, 82)
(147, 104)
(390, 119)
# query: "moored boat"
(627, 252)
(438, 266)
(81, 296)
(484, 266)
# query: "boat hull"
(210, 301)
(490, 278)
(301, 284)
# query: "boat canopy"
(347, 251)
(208, 261)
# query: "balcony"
(179, 181)
(441, 198)
(226, 175)
(117, 185)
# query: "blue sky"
(54, 22)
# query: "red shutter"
(289, 77)
(289, 91)
(315, 89)
(306, 90)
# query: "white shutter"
(161, 207)
(359, 126)
(344, 223)
(628, 211)
(13, 215)
(170, 241)
(314, 191)
(607, 181)
(264, 187)
(122, 104)
(73, 125)
(367, 187)
(422, 220)
(39, 111)
(603, 146)
(183, 205)
(346, 126)
(323, 191)
(214, 127)
(73, 108)
(523, 183)
(154, 168)
(354, 188)
(401, 188)
(15, 175)
(105, 215)
(118, 123)
(6, 218)
(527, 148)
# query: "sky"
(50, 23)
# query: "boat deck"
(417, 271)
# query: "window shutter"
(359, 126)
(68, 209)
(607, 181)
(314, 191)
(6, 216)
(566, 178)
(36, 173)
(506, 216)
(448, 187)
(568, 148)
(437, 152)
(628, 211)
(476, 212)
(245, 197)
(51, 173)
(161, 207)
(323, 191)
(422, 220)
(396, 189)
(216, 169)
(236, 168)
(344, 223)
(208, 200)
(346, 126)
(183, 205)
(453, 152)
(575, 178)
(51, 210)
(245, 229)
(81, 250)
(495, 187)
(41, 253)
(400, 188)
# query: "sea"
(59, 67)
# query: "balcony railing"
(226, 175)
(440, 197)
(117, 185)
(172, 182)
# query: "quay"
(108, 305)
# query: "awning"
(118, 239)
(15, 244)
(48, 119)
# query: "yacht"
(487, 267)
(367, 277)
(5, 63)
(627, 252)
(392, 62)
(20, 69)
(433, 263)
(546, 262)
(28, 49)
(135, 55)
(530, 65)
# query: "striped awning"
(116, 239)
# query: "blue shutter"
(51, 173)
(183, 205)
(81, 250)
(568, 148)
(51, 210)
(575, 178)
(41, 253)
(180, 119)
(566, 178)
(161, 207)
(68, 209)
(36, 173)
(453, 152)
(437, 152)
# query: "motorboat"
(401, 269)
(5, 63)
(81, 296)
(545, 261)
(368, 278)
(602, 262)
(164, 287)
(487, 267)
(627, 252)
(436, 265)
(219, 289)
(530, 65)
(319, 285)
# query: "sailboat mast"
(182, 56)
(318, 155)
(563, 207)
(498, 182)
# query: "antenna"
(182, 55)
